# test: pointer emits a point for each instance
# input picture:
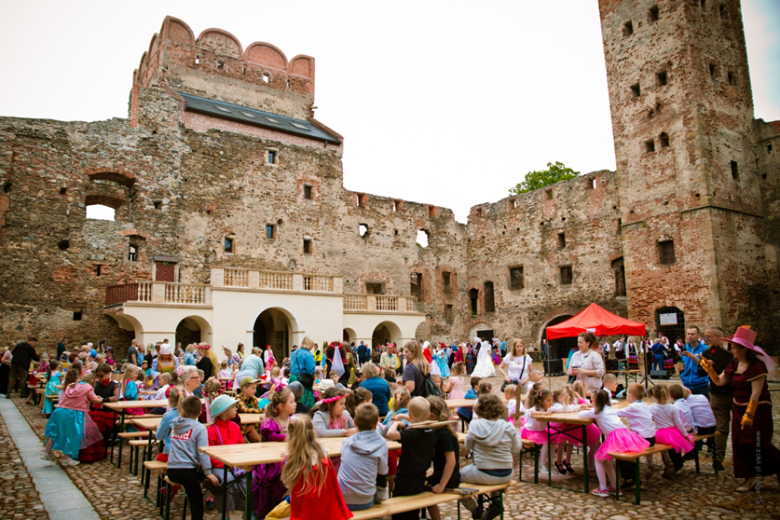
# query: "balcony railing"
(274, 280)
(378, 303)
(158, 292)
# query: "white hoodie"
(493, 443)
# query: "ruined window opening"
(132, 256)
(663, 79)
(490, 302)
(271, 156)
(448, 312)
(619, 224)
(98, 270)
(446, 281)
(395, 232)
(703, 4)
(270, 231)
(768, 148)
(7, 186)
(433, 211)
(620, 276)
(288, 83)
(653, 14)
(266, 77)
(197, 60)
(649, 146)
(628, 28)
(77, 315)
(157, 204)
(422, 238)
(100, 212)
(307, 246)
(307, 192)
(516, 278)
(561, 240)
(650, 114)
(635, 90)
(415, 284)
(396, 205)
(664, 140)
(730, 77)
(480, 212)
(735, 170)
(63, 191)
(220, 65)
(713, 71)
(64, 245)
(666, 252)
(723, 12)
(361, 200)
(591, 184)
(375, 288)
(229, 245)
(363, 230)
(566, 275)
(549, 194)
(474, 300)
(513, 203)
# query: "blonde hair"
(578, 389)
(369, 370)
(307, 343)
(516, 342)
(401, 398)
(419, 409)
(212, 388)
(128, 369)
(661, 394)
(510, 391)
(209, 353)
(418, 359)
(303, 448)
(275, 399)
(457, 368)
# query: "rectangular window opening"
(516, 278)
(566, 275)
(490, 302)
(703, 4)
(307, 192)
(731, 78)
(307, 246)
(666, 252)
(63, 191)
(561, 240)
(664, 138)
(98, 270)
(448, 312)
(635, 90)
(228, 245)
(157, 204)
(77, 315)
(220, 65)
(735, 170)
(270, 231)
(628, 28)
(649, 146)
(271, 157)
(713, 71)
(653, 14)
(549, 194)
(375, 288)
(132, 256)
(474, 301)
(415, 283)
(446, 281)
(663, 79)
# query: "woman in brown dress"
(753, 453)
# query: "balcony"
(378, 303)
(159, 293)
(275, 281)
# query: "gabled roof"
(254, 117)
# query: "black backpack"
(430, 387)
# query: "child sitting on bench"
(363, 470)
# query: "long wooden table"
(458, 403)
(121, 407)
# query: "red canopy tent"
(597, 320)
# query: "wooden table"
(633, 373)
(121, 407)
(245, 456)
(457, 403)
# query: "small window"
(731, 78)
(652, 14)
(480, 212)
(649, 146)
(516, 278)
(363, 230)
(513, 203)
(566, 275)
(734, 170)
(77, 315)
(98, 270)
(197, 60)
(628, 28)
(666, 252)
(270, 231)
(7, 186)
(663, 79)
(592, 184)
(620, 276)
(703, 4)
(266, 77)
(64, 245)
(307, 246)
(635, 90)
(157, 204)
(433, 211)
(768, 148)
(474, 301)
(271, 156)
(490, 302)
(446, 281)
(397, 205)
(422, 238)
(220, 65)
(63, 191)
(307, 192)
(723, 12)
(415, 284)
(228, 245)
(549, 194)
(375, 288)
(448, 312)
(132, 256)
(713, 71)
(361, 200)
(664, 138)
(561, 240)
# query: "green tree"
(539, 179)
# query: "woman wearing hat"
(754, 454)
(165, 361)
(207, 362)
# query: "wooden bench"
(529, 447)
(153, 466)
(636, 456)
(426, 499)
(135, 448)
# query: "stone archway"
(273, 327)
(559, 348)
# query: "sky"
(440, 102)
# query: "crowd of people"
(369, 395)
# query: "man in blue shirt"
(690, 376)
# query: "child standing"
(618, 439)
(267, 487)
(454, 386)
(52, 387)
(310, 477)
(364, 461)
(640, 420)
(225, 432)
(446, 454)
(185, 459)
(416, 454)
(494, 442)
(70, 428)
(329, 417)
(670, 430)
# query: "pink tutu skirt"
(621, 440)
(574, 434)
(539, 437)
(675, 439)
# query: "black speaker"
(659, 374)
(553, 367)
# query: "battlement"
(215, 65)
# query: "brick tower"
(690, 192)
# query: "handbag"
(306, 380)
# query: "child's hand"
(350, 432)
(401, 417)
(438, 488)
(213, 479)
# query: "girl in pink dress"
(539, 403)
(570, 435)
(455, 382)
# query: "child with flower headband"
(329, 417)
(310, 477)
(267, 486)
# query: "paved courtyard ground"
(116, 494)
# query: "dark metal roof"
(251, 116)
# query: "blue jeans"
(360, 507)
(658, 363)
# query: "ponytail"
(603, 400)
(536, 397)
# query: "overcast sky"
(448, 103)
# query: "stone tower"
(690, 191)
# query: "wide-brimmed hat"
(220, 404)
(746, 337)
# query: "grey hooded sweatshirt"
(493, 443)
(187, 435)
(363, 457)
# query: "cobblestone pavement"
(116, 494)
(19, 500)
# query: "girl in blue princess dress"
(441, 360)
(54, 379)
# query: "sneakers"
(668, 471)
(491, 512)
(46, 456)
(600, 492)
(210, 504)
(718, 466)
(70, 462)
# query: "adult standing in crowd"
(61, 348)
(720, 396)
(363, 354)
(132, 353)
(691, 379)
(5, 369)
(166, 361)
(587, 364)
(207, 362)
(376, 384)
(302, 369)
(752, 426)
(23, 354)
(389, 359)
(252, 367)
(417, 368)
(516, 365)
